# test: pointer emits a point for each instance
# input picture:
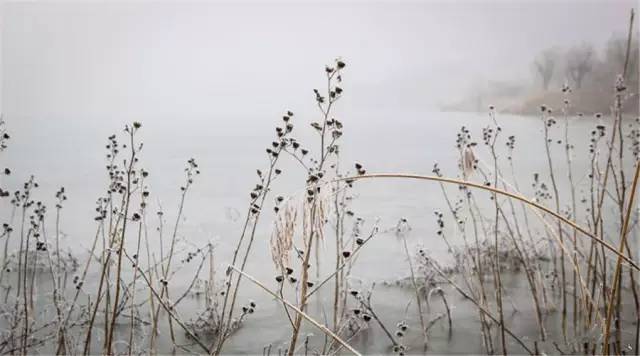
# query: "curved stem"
(521, 198)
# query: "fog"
(495, 100)
(104, 62)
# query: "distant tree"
(545, 65)
(579, 63)
(615, 55)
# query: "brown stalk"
(616, 276)
(521, 198)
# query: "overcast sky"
(158, 61)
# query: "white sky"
(155, 61)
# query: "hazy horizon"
(436, 175)
(98, 61)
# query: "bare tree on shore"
(545, 65)
(579, 63)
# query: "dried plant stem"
(84, 274)
(169, 309)
(616, 276)
(104, 274)
(343, 264)
(133, 288)
(563, 248)
(5, 252)
(448, 309)
(109, 339)
(22, 278)
(195, 277)
(485, 327)
(367, 305)
(151, 278)
(416, 289)
(498, 273)
(305, 279)
(518, 197)
(167, 269)
(523, 255)
(476, 219)
(482, 308)
(339, 231)
(56, 293)
(323, 328)
(556, 197)
(105, 267)
(568, 148)
(324, 153)
(247, 251)
(524, 259)
(617, 129)
(156, 311)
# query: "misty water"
(210, 81)
(229, 154)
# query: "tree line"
(582, 66)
